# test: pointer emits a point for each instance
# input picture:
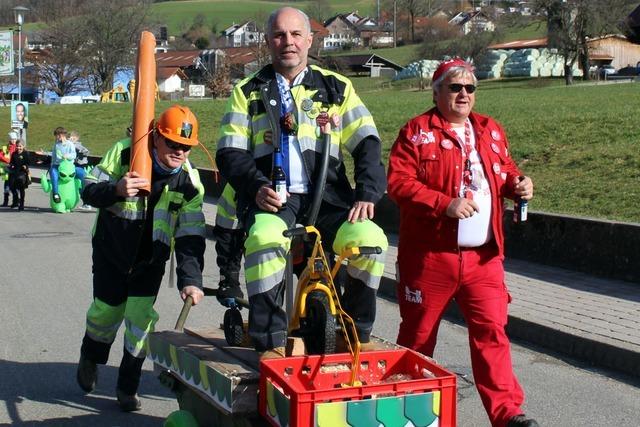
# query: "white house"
(239, 35)
(170, 79)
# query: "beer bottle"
(278, 177)
(520, 207)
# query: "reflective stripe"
(260, 123)
(135, 339)
(368, 268)
(355, 114)
(236, 119)
(160, 236)
(187, 217)
(317, 145)
(192, 230)
(228, 223)
(229, 208)
(359, 135)
(234, 141)
(264, 256)
(98, 175)
(265, 284)
(264, 269)
(103, 321)
(121, 212)
(111, 329)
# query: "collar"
(282, 81)
(478, 121)
(160, 168)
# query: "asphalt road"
(45, 290)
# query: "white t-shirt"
(475, 230)
(297, 178)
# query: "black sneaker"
(87, 374)
(56, 198)
(522, 421)
(228, 292)
(128, 402)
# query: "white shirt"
(298, 179)
(475, 230)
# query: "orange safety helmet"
(179, 124)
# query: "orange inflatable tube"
(144, 109)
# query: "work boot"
(87, 374)
(522, 421)
(56, 198)
(6, 200)
(229, 290)
(273, 353)
(128, 402)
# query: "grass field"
(178, 16)
(579, 143)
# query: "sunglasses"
(176, 146)
(457, 87)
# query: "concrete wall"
(602, 248)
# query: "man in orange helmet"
(132, 241)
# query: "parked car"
(628, 71)
(606, 70)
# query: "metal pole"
(395, 24)
(19, 62)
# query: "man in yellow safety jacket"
(132, 240)
(280, 107)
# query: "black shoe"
(128, 402)
(228, 292)
(14, 205)
(87, 374)
(56, 198)
(522, 421)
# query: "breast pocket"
(430, 165)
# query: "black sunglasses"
(457, 87)
(176, 146)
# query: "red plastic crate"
(306, 391)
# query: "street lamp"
(18, 14)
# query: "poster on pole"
(6, 53)
(19, 114)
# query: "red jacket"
(425, 172)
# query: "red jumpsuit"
(425, 174)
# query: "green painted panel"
(283, 407)
(390, 412)
(362, 413)
(419, 409)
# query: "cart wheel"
(180, 419)
(320, 325)
(233, 327)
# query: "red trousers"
(475, 278)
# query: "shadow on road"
(27, 389)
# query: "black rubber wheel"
(233, 327)
(319, 325)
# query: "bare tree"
(111, 30)
(320, 10)
(572, 22)
(60, 66)
(219, 83)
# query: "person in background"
(5, 158)
(133, 239)
(284, 105)
(82, 159)
(20, 175)
(63, 149)
(449, 171)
